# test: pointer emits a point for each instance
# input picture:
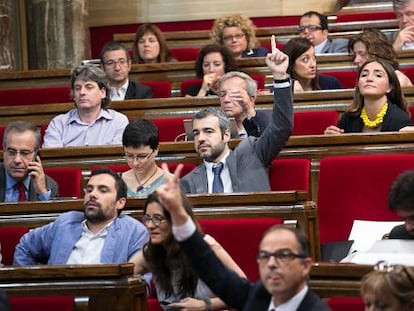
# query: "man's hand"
(277, 61)
(242, 98)
(405, 35)
(38, 176)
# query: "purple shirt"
(68, 130)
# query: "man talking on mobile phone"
(22, 177)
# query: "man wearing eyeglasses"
(99, 234)
(91, 123)
(22, 177)
(404, 10)
(314, 27)
(401, 201)
(283, 259)
(116, 63)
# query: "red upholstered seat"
(411, 110)
(356, 187)
(160, 89)
(409, 72)
(347, 78)
(290, 174)
(9, 237)
(368, 16)
(50, 303)
(33, 96)
(313, 122)
(68, 179)
(240, 237)
(346, 303)
(260, 80)
(185, 54)
(169, 129)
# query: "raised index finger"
(273, 43)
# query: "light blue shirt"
(12, 194)
(68, 130)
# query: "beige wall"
(109, 12)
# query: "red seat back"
(290, 174)
(356, 187)
(347, 78)
(160, 89)
(346, 303)
(367, 16)
(68, 179)
(185, 84)
(313, 122)
(50, 303)
(9, 238)
(409, 72)
(34, 96)
(249, 231)
(169, 129)
(185, 54)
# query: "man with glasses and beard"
(101, 234)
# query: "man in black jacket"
(116, 63)
(401, 200)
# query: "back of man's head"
(401, 194)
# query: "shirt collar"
(11, 182)
(319, 47)
(122, 90)
(74, 116)
(103, 232)
(292, 304)
(209, 165)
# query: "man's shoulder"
(400, 232)
(114, 115)
(312, 302)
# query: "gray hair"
(224, 122)
(21, 127)
(251, 85)
(399, 4)
(95, 74)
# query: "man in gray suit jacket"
(246, 168)
(22, 167)
(314, 27)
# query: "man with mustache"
(101, 234)
(246, 168)
(401, 201)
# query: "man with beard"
(401, 200)
(116, 63)
(101, 234)
(246, 168)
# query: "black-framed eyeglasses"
(156, 219)
(139, 157)
(281, 256)
(311, 28)
(384, 266)
(112, 63)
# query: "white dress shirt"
(119, 94)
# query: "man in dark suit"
(401, 200)
(283, 258)
(246, 168)
(116, 63)
(21, 175)
(314, 27)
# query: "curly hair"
(377, 45)
(235, 20)
(228, 60)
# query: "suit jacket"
(138, 91)
(394, 119)
(249, 162)
(257, 124)
(399, 232)
(235, 291)
(4, 303)
(50, 184)
(329, 83)
(335, 46)
(257, 52)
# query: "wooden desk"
(109, 286)
(288, 205)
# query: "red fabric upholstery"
(409, 72)
(368, 16)
(185, 54)
(169, 128)
(290, 174)
(347, 78)
(240, 237)
(185, 84)
(160, 89)
(68, 179)
(346, 303)
(356, 187)
(260, 80)
(411, 110)
(313, 122)
(50, 303)
(9, 237)
(33, 96)
(153, 305)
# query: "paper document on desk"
(366, 232)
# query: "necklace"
(378, 120)
(141, 185)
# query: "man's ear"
(226, 135)
(120, 204)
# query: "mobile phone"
(36, 153)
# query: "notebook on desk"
(188, 126)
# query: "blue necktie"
(217, 182)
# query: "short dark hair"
(229, 64)
(224, 122)
(140, 132)
(121, 187)
(20, 127)
(401, 194)
(95, 74)
(112, 46)
(323, 20)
